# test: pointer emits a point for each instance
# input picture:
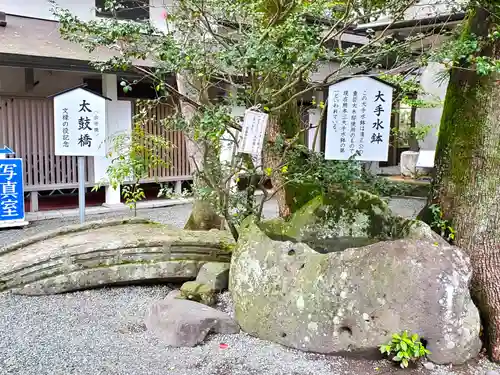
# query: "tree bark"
(467, 183)
(274, 160)
(285, 124)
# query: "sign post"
(80, 130)
(359, 119)
(11, 191)
(81, 188)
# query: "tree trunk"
(467, 183)
(274, 160)
(286, 124)
(203, 215)
(413, 143)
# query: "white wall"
(84, 9)
(432, 8)
(436, 91)
(41, 8)
(156, 12)
(12, 81)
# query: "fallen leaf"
(223, 346)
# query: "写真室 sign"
(80, 123)
(11, 190)
(358, 120)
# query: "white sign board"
(358, 120)
(228, 140)
(80, 123)
(253, 132)
(426, 159)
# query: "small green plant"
(166, 192)
(405, 348)
(439, 225)
(132, 194)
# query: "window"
(133, 10)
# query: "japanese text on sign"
(253, 132)
(79, 126)
(358, 120)
(11, 190)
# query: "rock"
(215, 275)
(195, 291)
(203, 217)
(429, 366)
(183, 323)
(491, 372)
(418, 230)
(106, 253)
(354, 300)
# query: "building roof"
(451, 18)
(83, 86)
(28, 41)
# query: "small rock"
(183, 323)
(195, 291)
(429, 366)
(215, 275)
(491, 372)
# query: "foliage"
(132, 156)
(168, 193)
(465, 50)
(310, 169)
(133, 194)
(409, 90)
(417, 133)
(441, 226)
(405, 348)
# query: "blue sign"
(6, 151)
(11, 190)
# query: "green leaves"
(406, 348)
(440, 225)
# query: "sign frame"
(359, 114)
(19, 220)
(60, 149)
(96, 147)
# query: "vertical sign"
(253, 132)
(80, 130)
(11, 192)
(358, 120)
(79, 119)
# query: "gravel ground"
(102, 331)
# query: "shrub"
(405, 348)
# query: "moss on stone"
(198, 292)
(227, 246)
(341, 220)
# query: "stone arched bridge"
(108, 253)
